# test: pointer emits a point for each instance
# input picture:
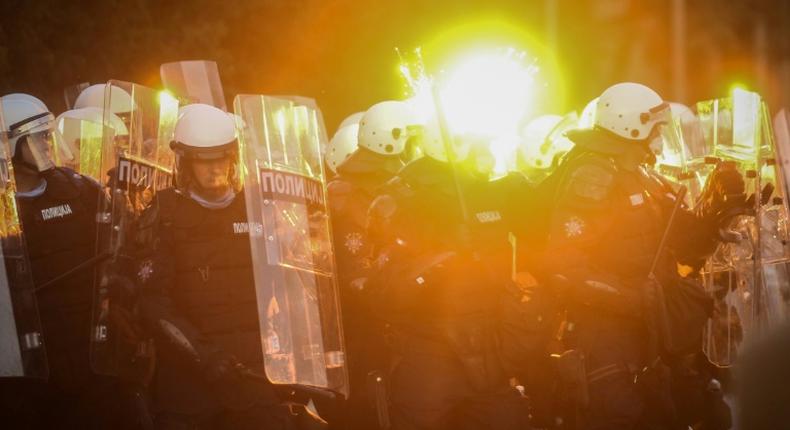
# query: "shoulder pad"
(64, 183)
(168, 198)
(162, 208)
(383, 206)
(338, 192)
(161, 211)
(424, 171)
(398, 187)
(339, 186)
(591, 177)
(75, 178)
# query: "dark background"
(341, 52)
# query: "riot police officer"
(58, 212)
(197, 288)
(607, 214)
(382, 141)
(384, 136)
(440, 282)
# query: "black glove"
(220, 365)
(726, 180)
(724, 198)
(234, 386)
(717, 415)
(724, 191)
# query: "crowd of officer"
(467, 302)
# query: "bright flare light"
(484, 95)
(487, 94)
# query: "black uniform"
(440, 286)
(60, 232)
(350, 195)
(606, 222)
(198, 297)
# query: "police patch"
(488, 216)
(56, 212)
(354, 242)
(247, 227)
(145, 271)
(591, 182)
(574, 227)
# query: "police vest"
(60, 232)
(451, 265)
(213, 283)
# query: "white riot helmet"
(587, 118)
(543, 139)
(631, 111)
(93, 96)
(342, 145)
(28, 97)
(90, 123)
(203, 132)
(354, 118)
(26, 119)
(387, 126)
(434, 146)
(96, 115)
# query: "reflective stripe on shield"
(293, 255)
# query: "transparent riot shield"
(295, 278)
(85, 138)
(686, 158)
(747, 274)
(311, 104)
(134, 167)
(22, 352)
(194, 82)
(778, 295)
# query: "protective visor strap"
(654, 112)
(27, 124)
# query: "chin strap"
(219, 203)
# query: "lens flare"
(487, 94)
(484, 95)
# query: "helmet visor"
(661, 114)
(45, 146)
(45, 142)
